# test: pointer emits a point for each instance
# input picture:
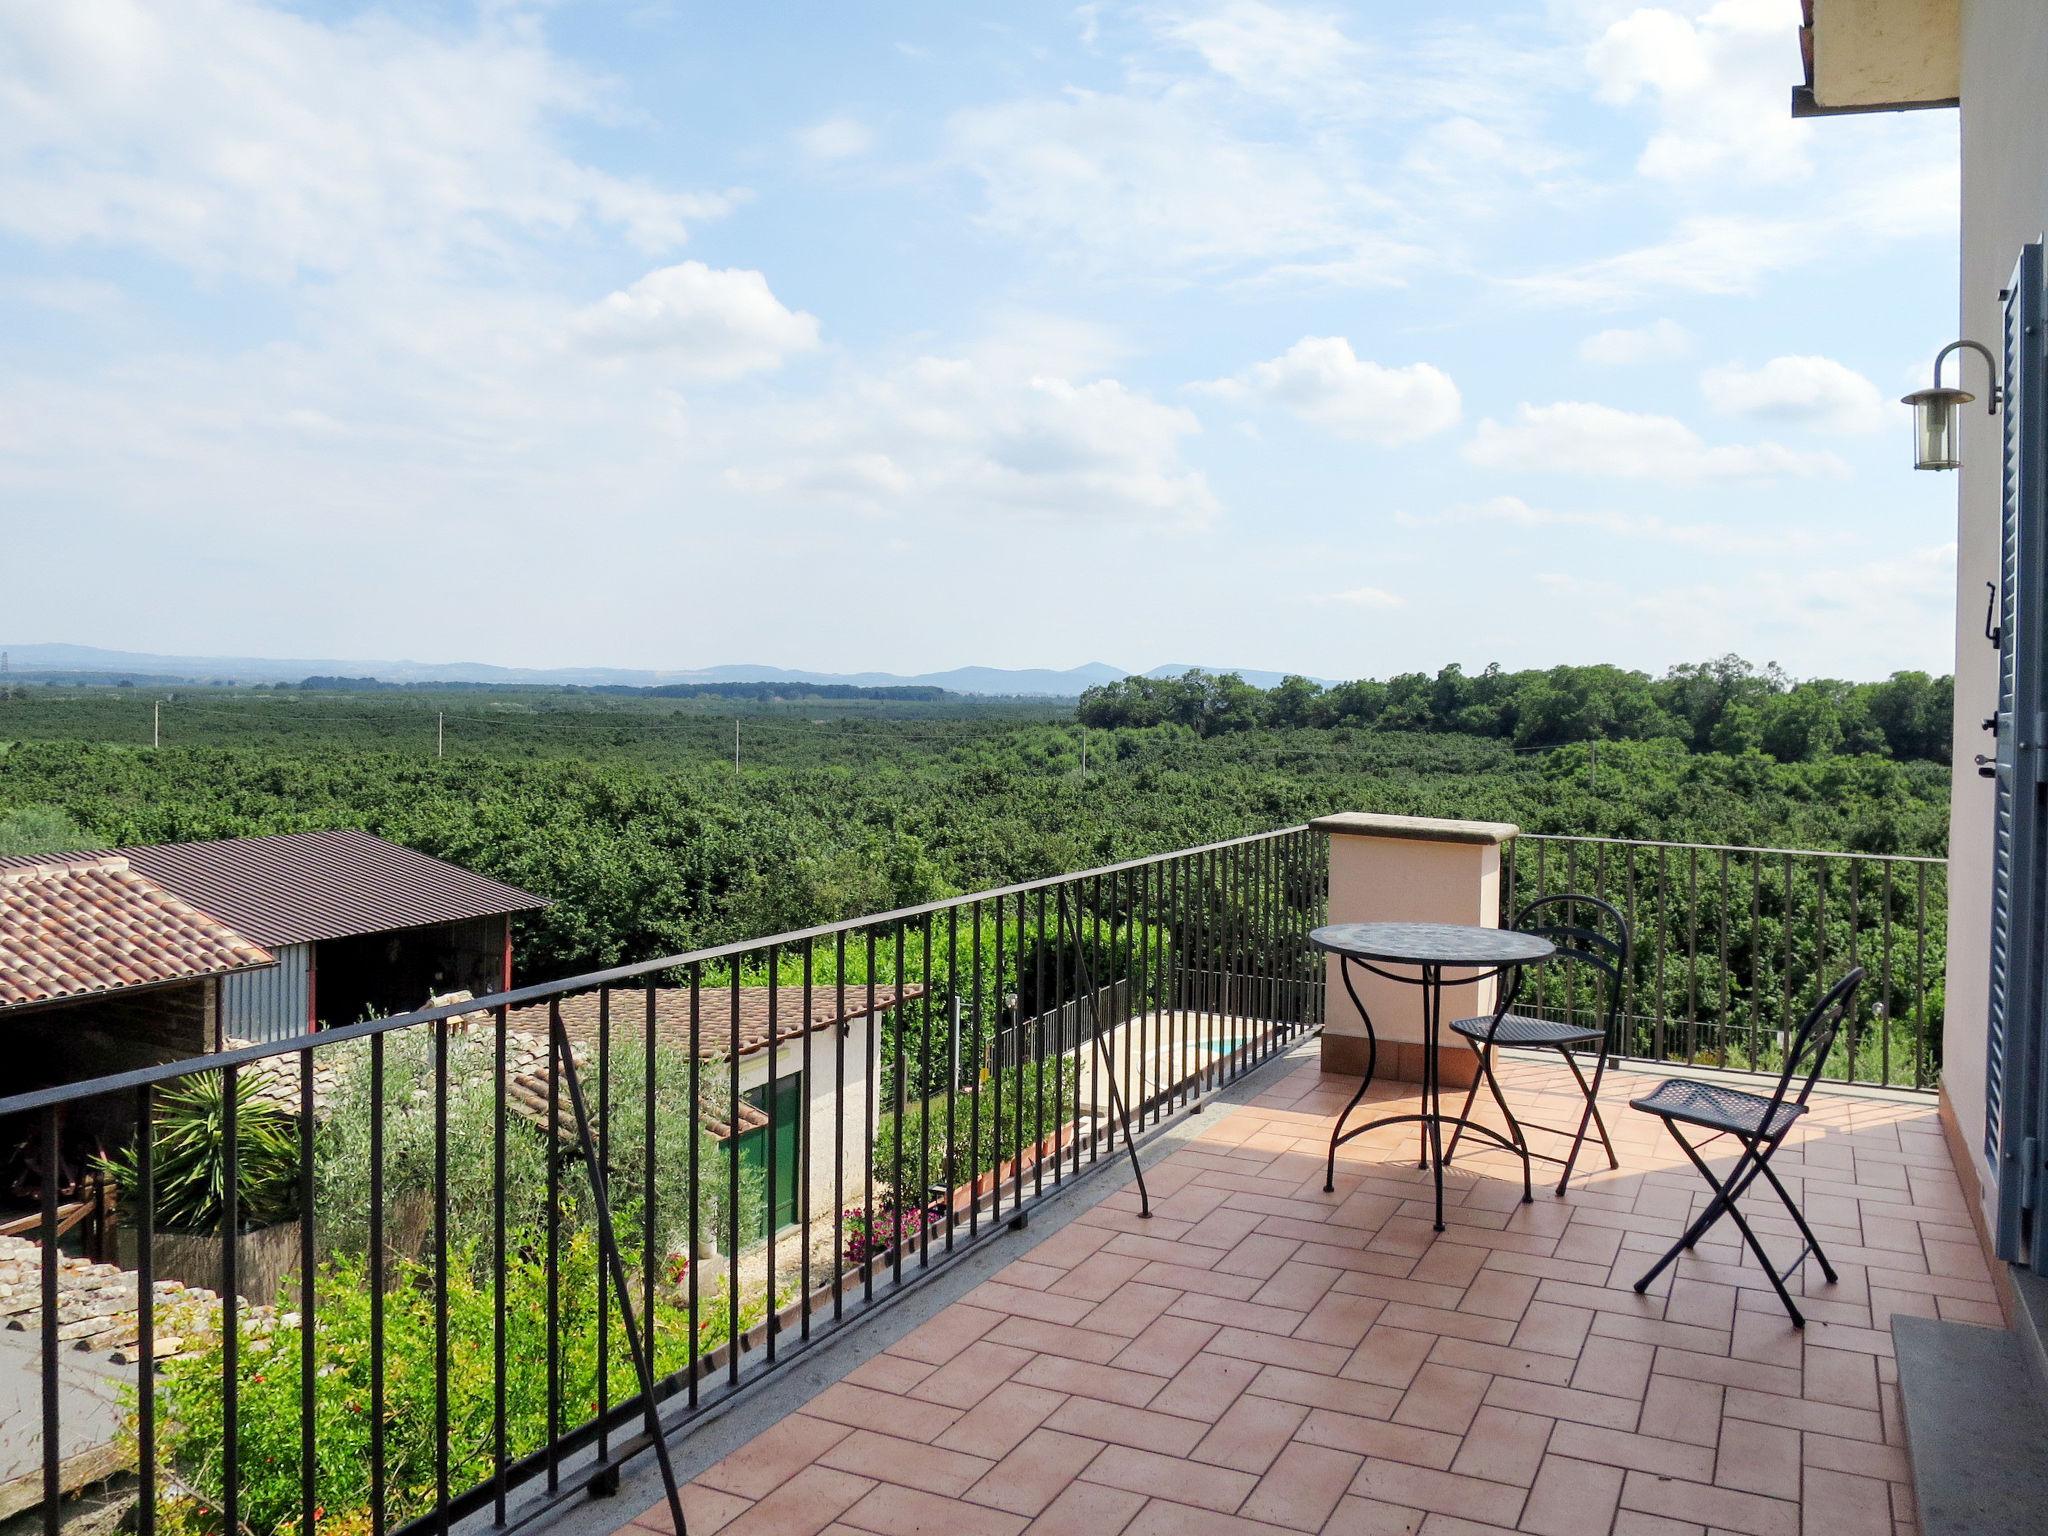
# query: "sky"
(1345, 340)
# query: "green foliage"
(623, 1143)
(637, 827)
(190, 1404)
(1725, 705)
(190, 1164)
(40, 829)
(342, 1145)
(1046, 1095)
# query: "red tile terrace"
(1262, 1357)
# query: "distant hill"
(38, 662)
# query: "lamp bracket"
(1990, 363)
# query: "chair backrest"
(1587, 932)
(1806, 1053)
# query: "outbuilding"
(357, 925)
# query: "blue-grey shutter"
(2015, 1057)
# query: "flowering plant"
(871, 1233)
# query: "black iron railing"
(1732, 944)
(538, 1230)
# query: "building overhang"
(1878, 56)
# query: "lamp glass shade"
(1935, 436)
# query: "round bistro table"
(1428, 949)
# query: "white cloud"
(703, 322)
(1284, 151)
(1154, 181)
(836, 138)
(1270, 50)
(1718, 85)
(964, 436)
(1816, 392)
(1732, 254)
(1323, 381)
(1361, 597)
(1578, 437)
(1719, 537)
(233, 137)
(1659, 340)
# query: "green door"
(787, 1127)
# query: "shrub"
(40, 829)
(189, 1138)
(341, 1144)
(1048, 1090)
(190, 1402)
(868, 1235)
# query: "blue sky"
(1347, 340)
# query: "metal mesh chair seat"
(1520, 1029)
(1589, 942)
(1760, 1124)
(1718, 1108)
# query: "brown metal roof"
(301, 887)
(714, 1015)
(74, 927)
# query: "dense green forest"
(632, 816)
(1725, 705)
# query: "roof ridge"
(75, 864)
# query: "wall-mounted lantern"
(1936, 444)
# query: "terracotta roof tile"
(76, 927)
(714, 1015)
(302, 887)
(526, 1079)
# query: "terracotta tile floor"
(1263, 1357)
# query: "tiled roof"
(526, 1090)
(526, 1079)
(74, 927)
(302, 887)
(714, 1015)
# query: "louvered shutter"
(2014, 1101)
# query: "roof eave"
(1804, 105)
(1860, 56)
(93, 994)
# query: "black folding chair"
(1589, 933)
(1760, 1124)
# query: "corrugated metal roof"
(75, 927)
(302, 887)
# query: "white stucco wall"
(2005, 204)
(827, 1102)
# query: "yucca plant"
(190, 1137)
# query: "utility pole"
(440, 735)
(1593, 758)
(156, 723)
(1084, 754)
(735, 744)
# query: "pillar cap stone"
(1419, 829)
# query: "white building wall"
(827, 1101)
(2005, 204)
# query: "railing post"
(1421, 869)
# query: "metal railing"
(538, 1231)
(1732, 944)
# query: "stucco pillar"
(1416, 869)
